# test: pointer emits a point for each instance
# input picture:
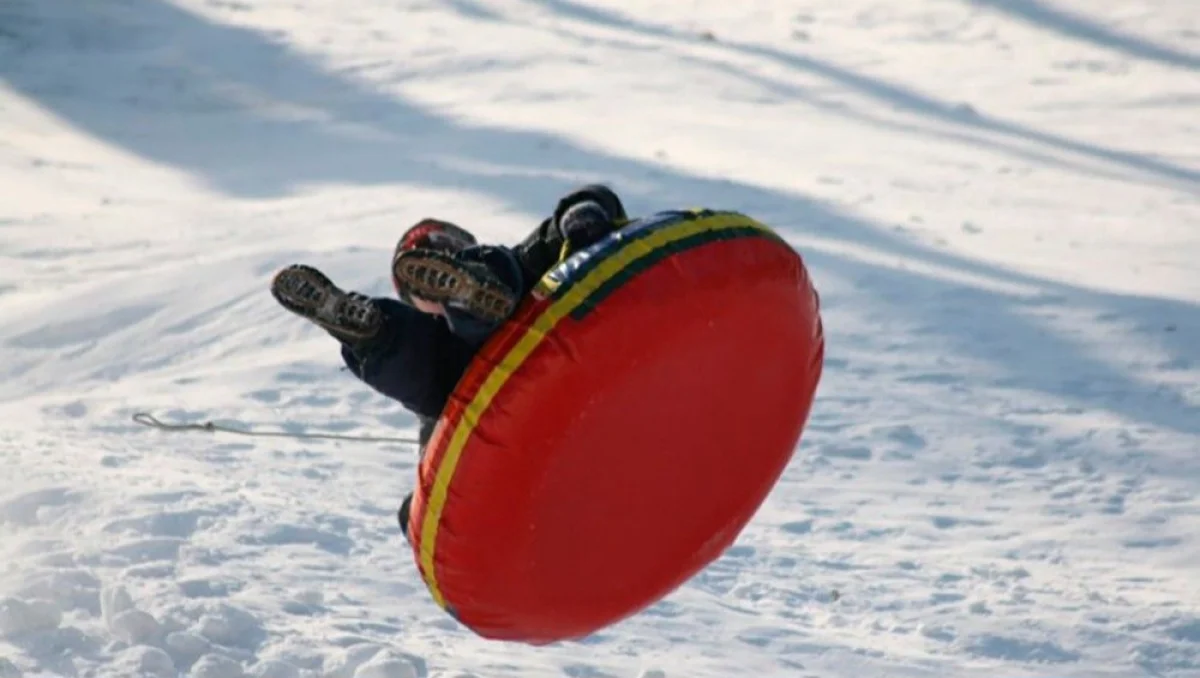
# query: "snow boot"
(349, 316)
(443, 279)
(405, 514)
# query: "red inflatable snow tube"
(619, 432)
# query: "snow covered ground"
(999, 201)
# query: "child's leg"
(404, 354)
(409, 356)
(417, 359)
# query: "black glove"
(586, 215)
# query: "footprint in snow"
(37, 507)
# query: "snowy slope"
(999, 201)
